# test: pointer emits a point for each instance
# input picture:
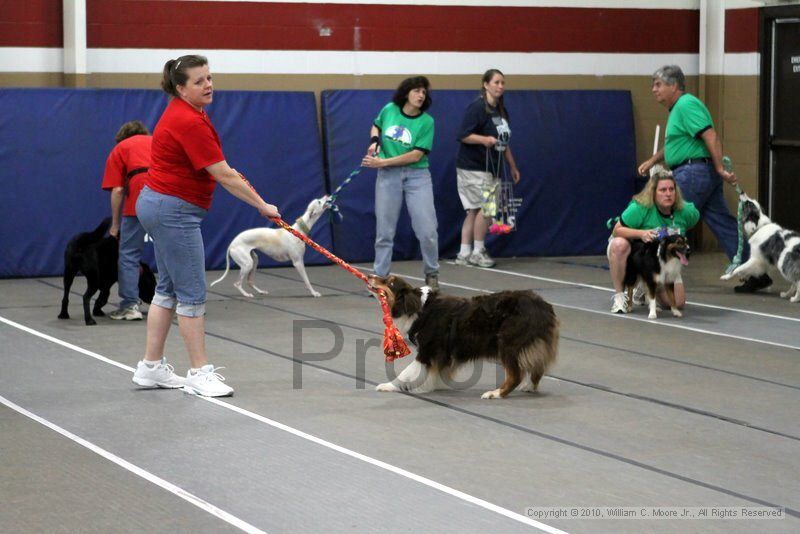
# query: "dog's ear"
(408, 301)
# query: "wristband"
(374, 139)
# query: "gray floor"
(637, 414)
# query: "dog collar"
(302, 226)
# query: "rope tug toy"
(394, 346)
(737, 259)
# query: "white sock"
(466, 250)
(152, 365)
(479, 246)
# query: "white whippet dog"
(276, 243)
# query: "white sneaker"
(130, 313)
(638, 295)
(481, 258)
(462, 260)
(619, 304)
(207, 382)
(161, 375)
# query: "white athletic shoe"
(207, 382)
(481, 258)
(619, 303)
(161, 375)
(462, 260)
(130, 313)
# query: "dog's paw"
(676, 312)
(316, 294)
(493, 394)
(98, 313)
(63, 316)
(727, 276)
(652, 315)
(784, 295)
(386, 386)
(795, 298)
(91, 322)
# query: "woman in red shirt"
(186, 164)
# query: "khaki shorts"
(470, 187)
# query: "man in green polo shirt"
(693, 151)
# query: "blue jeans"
(131, 244)
(174, 225)
(415, 185)
(701, 185)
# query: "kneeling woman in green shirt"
(659, 205)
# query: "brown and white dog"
(518, 329)
(276, 243)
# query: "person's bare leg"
(193, 330)
(158, 322)
(481, 226)
(467, 226)
(617, 258)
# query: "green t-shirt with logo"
(688, 119)
(641, 217)
(401, 134)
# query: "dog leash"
(331, 202)
(737, 259)
(394, 346)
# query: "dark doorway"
(779, 176)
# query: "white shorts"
(470, 187)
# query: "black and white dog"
(518, 329)
(657, 263)
(771, 246)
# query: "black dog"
(95, 255)
(657, 263)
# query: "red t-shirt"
(129, 155)
(184, 144)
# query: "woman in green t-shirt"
(658, 206)
(401, 138)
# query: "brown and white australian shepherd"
(518, 329)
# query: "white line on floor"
(136, 470)
(610, 290)
(299, 433)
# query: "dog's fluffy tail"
(227, 268)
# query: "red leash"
(393, 344)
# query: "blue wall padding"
(54, 144)
(575, 150)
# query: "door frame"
(766, 16)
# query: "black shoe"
(432, 281)
(754, 283)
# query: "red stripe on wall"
(31, 23)
(741, 30)
(283, 26)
